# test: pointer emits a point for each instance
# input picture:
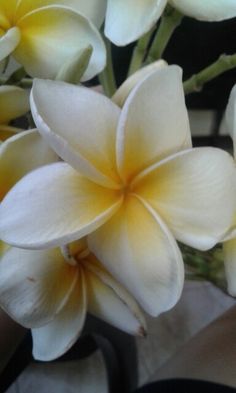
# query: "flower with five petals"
(130, 180)
(42, 35)
(50, 292)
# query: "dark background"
(194, 46)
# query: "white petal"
(193, 191)
(153, 123)
(109, 300)
(14, 102)
(127, 86)
(229, 251)
(51, 35)
(9, 42)
(57, 337)
(34, 285)
(80, 125)
(21, 154)
(94, 10)
(127, 20)
(206, 10)
(140, 252)
(230, 116)
(54, 205)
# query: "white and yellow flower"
(229, 245)
(128, 20)
(51, 294)
(130, 180)
(14, 102)
(43, 35)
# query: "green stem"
(107, 77)
(139, 52)
(169, 21)
(197, 81)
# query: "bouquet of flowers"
(103, 197)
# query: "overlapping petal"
(32, 290)
(124, 90)
(229, 249)
(206, 10)
(9, 42)
(127, 20)
(53, 34)
(94, 10)
(85, 142)
(193, 191)
(58, 336)
(137, 248)
(7, 11)
(153, 123)
(108, 300)
(14, 102)
(21, 154)
(56, 205)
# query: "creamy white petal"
(14, 102)
(51, 35)
(140, 252)
(110, 301)
(57, 337)
(21, 154)
(124, 90)
(206, 10)
(94, 10)
(127, 20)
(52, 206)
(34, 285)
(230, 116)
(80, 125)
(9, 42)
(193, 191)
(153, 123)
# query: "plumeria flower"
(19, 155)
(43, 34)
(130, 180)
(229, 245)
(128, 20)
(50, 292)
(14, 102)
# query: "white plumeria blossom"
(229, 245)
(19, 155)
(14, 102)
(130, 181)
(51, 294)
(128, 20)
(42, 35)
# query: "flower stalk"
(170, 20)
(139, 52)
(197, 81)
(107, 77)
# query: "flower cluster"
(97, 193)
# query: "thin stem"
(197, 81)
(139, 52)
(107, 77)
(170, 20)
